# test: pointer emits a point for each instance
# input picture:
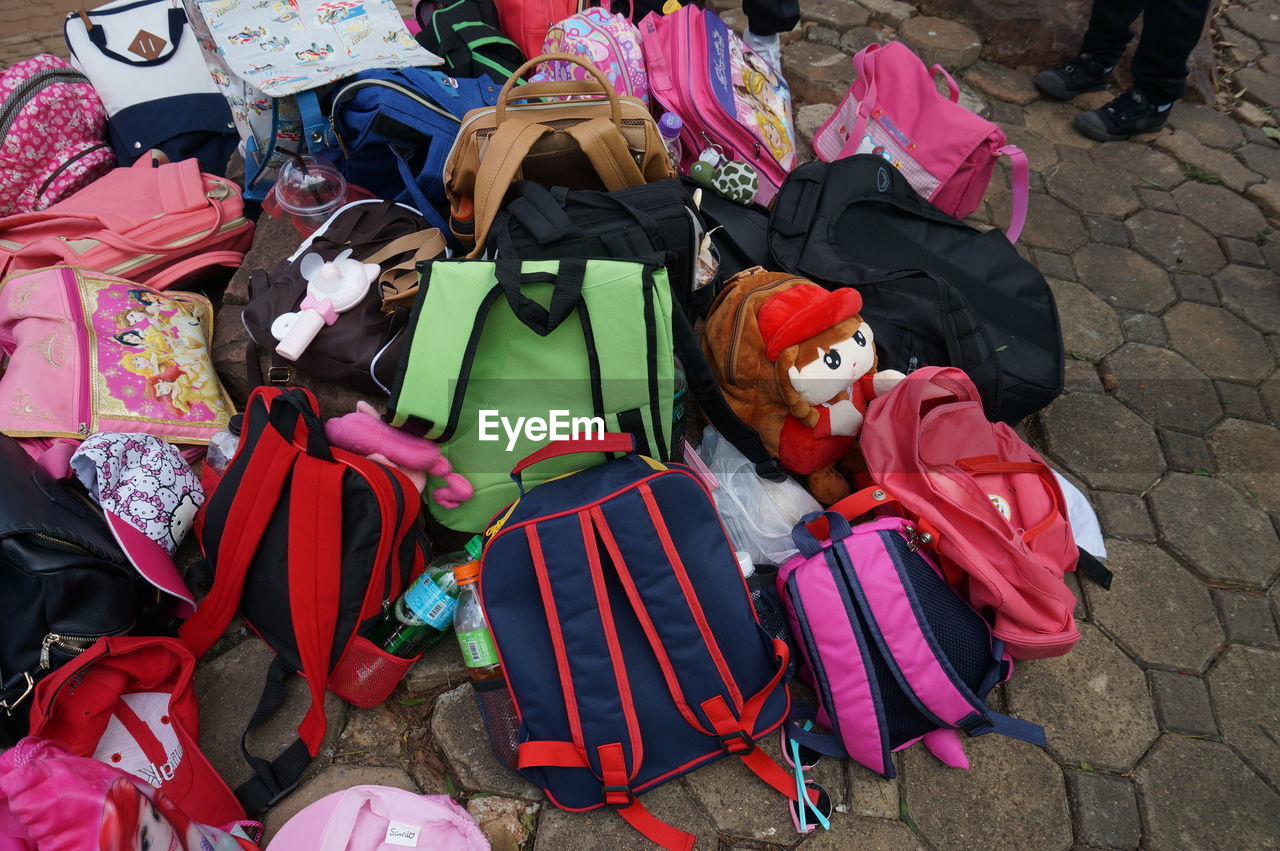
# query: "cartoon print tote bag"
(90, 352)
(268, 57)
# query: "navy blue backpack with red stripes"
(630, 650)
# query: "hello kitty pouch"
(90, 353)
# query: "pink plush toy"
(416, 457)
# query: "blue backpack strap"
(314, 123)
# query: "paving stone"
(811, 117)
(741, 805)
(1175, 242)
(948, 43)
(1270, 391)
(1144, 328)
(1103, 442)
(1219, 210)
(871, 795)
(1186, 453)
(1240, 48)
(1252, 294)
(1054, 265)
(1244, 252)
(1182, 704)
(816, 73)
(1264, 159)
(1254, 119)
(1248, 455)
(859, 37)
(1245, 684)
(1030, 811)
(440, 666)
(1266, 196)
(836, 14)
(1236, 810)
(1207, 161)
(604, 830)
(1092, 100)
(1091, 189)
(1247, 618)
(1124, 515)
(1195, 288)
(1124, 278)
(1093, 703)
(1274, 597)
(1053, 121)
(1042, 153)
(1206, 124)
(1107, 230)
(1159, 200)
(1259, 87)
(227, 689)
(971, 99)
(1090, 328)
(335, 778)
(1241, 401)
(1050, 223)
(820, 34)
(1145, 166)
(1081, 377)
(1164, 387)
(891, 13)
(870, 833)
(1006, 113)
(1215, 529)
(1140, 620)
(371, 737)
(457, 728)
(1218, 342)
(1106, 810)
(505, 822)
(1003, 84)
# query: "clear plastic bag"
(758, 513)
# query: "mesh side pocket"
(498, 712)
(367, 674)
(768, 605)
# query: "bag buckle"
(737, 743)
(618, 797)
(9, 706)
(279, 375)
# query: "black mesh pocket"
(498, 713)
(768, 605)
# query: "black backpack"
(466, 35)
(65, 583)
(656, 219)
(739, 232)
(966, 300)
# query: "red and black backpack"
(308, 541)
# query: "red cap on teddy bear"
(803, 311)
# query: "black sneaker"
(1128, 115)
(1077, 75)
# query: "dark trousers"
(1170, 30)
(770, 17)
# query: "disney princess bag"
(90, 352)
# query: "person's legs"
(1109, 31)
(765, 20)
(1170, 30)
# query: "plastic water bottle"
(426, 609)
(669, 127)
(478, 651)
(223, 445)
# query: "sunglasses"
(817, 804)
(808, 757)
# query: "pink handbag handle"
(1019, 190)
(953, 90)
(171, 274)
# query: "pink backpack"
(947, 153)
(53, 128)
(153, 224)
(992, 507)
(52, 800)
(367, 818)
(608, 41)
(727, 96)
(894, 655)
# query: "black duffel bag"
(966, 299)
(64, 583)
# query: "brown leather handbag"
(594, 140)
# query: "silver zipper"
(73, 644)
(915, 538)
(15, 102)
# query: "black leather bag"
(64, 582)
(944, 293)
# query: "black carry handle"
(294, 404)
(1093, 569)
(567, 283)
(273, 779)
(177, 22)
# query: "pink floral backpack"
(52, 129)
(608, 41)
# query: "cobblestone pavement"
(1164, 723)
